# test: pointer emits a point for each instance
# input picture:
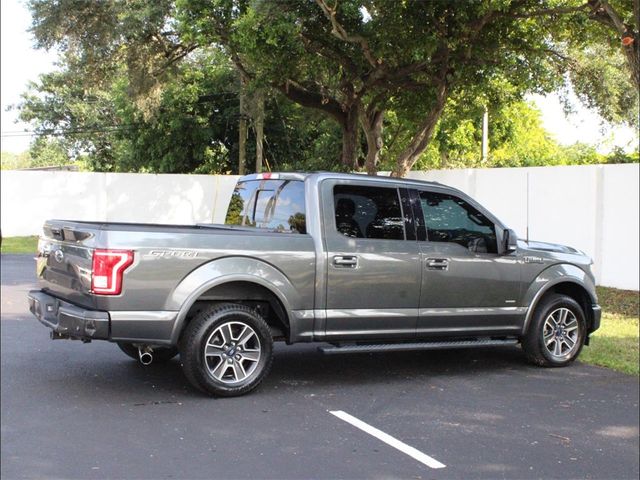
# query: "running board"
(404, 347)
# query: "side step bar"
(404, 347)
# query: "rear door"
(468, 286)
(373, 268)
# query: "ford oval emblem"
(59, 256)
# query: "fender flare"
(549, 278)
(226, 270)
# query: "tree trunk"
(632, 52)
(242, 129)
(350, 130)
(259, 98)
(372, 124)
(603, 12)
(422, 137)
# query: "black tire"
(160, 354)
(534, 343)
(207, 331)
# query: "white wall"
(594, 208)
(29, 198)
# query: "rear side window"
(451, 219)
(368, 212)
(271, 204)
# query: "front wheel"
(226, 350)
(557, 332)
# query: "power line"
(61, 133)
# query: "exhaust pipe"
(145, 354)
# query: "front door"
(373, 270)
(467, 284)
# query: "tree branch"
(602, 12)
(297, 93)
(325, 50)
(174, 56)
(550, 11)
(338, 31)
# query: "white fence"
(593, 208)
(29, 198)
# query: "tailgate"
(65, 258)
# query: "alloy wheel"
(232, 352)
(561, 333)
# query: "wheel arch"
(565, 279)
(234, 279)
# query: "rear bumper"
(68, 320)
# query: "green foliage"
(521, 139)
(44, 152)
(80, 120)
(618, 155)
(193, 128)
(517, 138)
(153, 85)
(619, 302)
(47, 152)
(600, 79)
(13, 161)
(399, 56)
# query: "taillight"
(108, 267)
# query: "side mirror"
(510, 241)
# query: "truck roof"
(317, 177)
(324, 174)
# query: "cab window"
(450, 219)
(277, 205)
(368, 212)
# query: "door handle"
(437, 263)
(349, 261)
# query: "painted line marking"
(388, 439)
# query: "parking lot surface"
(73, 410)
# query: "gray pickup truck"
(359, 263)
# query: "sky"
(21, 63)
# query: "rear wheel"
(226, 350)
(557, 332)
(160, 354)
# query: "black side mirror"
(510, 241)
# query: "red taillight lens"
(108, 267)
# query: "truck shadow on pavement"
(303, 368)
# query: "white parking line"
(388, 439)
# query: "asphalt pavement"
(74, 410)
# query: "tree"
(14, 161)
(352, 60)
(80, 120)
(193, 128)
(100, 39)
(602, 55)
(365, 65)
(620, 21)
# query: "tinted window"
(272, 204)
(368, 212)
(451, 219)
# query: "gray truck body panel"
(389, 293)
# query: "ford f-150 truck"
(359, 263)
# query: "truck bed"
(163, 256)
